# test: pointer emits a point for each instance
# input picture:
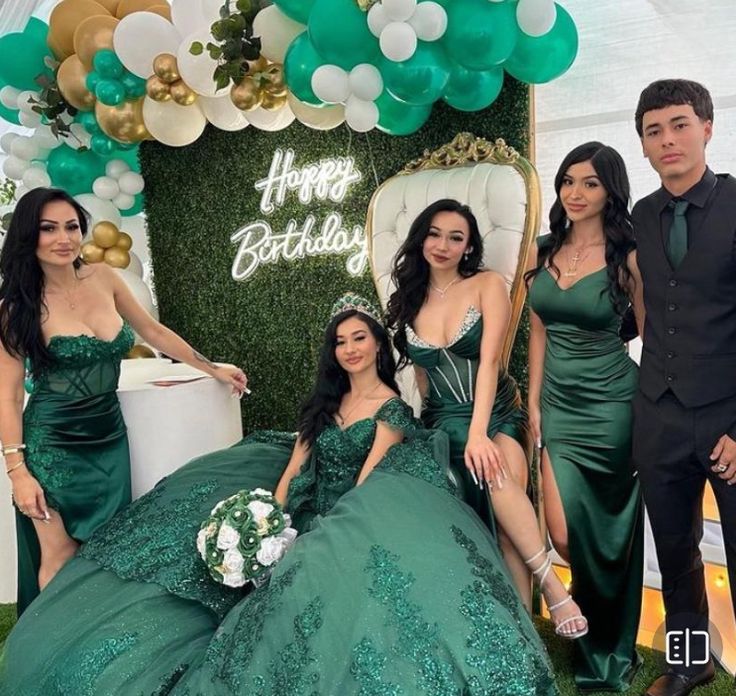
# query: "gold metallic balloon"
(110, 5)
(165, 68)
(91, 35)
(125, 242)
(117, 257)
(246, 96)
(106, 234)
(272, 102)
(162, 10)
(71, 80)
(140, 351)
(157, 89)
(183, 94)
(126, 7)
(91, 253)
(64, 20)
(124, 122)
(259, 65)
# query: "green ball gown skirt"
(392, 587)
(77, 444)
(589, 382)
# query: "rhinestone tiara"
(350, 301)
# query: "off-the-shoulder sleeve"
(397, 415)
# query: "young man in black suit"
(685, 411)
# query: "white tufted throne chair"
(502, 190)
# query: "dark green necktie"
(677, 240)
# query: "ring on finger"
(721, 468)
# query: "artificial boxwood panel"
(196, 197)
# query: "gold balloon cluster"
(263, 86)
(166, 82)
(108, 245)
(123, 122)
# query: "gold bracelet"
(12, 449)
(16, 466)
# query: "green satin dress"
(589, 382)
(392, 587)
(448, 406)
(77, 444)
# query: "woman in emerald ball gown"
(67, 453)
(393, 586)
(581, 383)
(450, 318)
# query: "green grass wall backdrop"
(271, 324)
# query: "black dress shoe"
(674, 684)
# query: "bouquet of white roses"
(244, 536)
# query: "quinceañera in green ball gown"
(394, 586)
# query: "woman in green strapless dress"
(67, 455)
(393, 586)
(450, 320)
(582, 382)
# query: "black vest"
(690, 330)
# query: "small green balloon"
(89, 121)
(134, 86)
(296, 9)
(91, 81)
(480, 34)
(397, 118)
(102, 145)
(422, 79)
(339, 31)
(110, 92)
(107, 64)
(300, 63)
(473, 90)
(543, 58)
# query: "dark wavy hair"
(320, 407)
(410, 273)
(617, 228)
(23, 280)
(664, 93)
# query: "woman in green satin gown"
(393, 586)
(582, 381)
(450, 319)
(67, 454)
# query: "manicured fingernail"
(247, 391)
(474, 479)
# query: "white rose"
(227, 538)
(287, 520)
(202, 542)
(233, 579)
(217, 507)
(261, 491)
(288, 535)
(259, 509)
(233, 561)
(272, 550)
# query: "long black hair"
(617, 229)
(320, 407)
(410, 273)
(23, 280)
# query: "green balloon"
(91, 81)
(397, 118)
(473, 90)
(480, 34)
(22, 56)
(110, 92)
(300, 63)
(74, 170)
(544, 58)
(89, 121)
(339, 31)
(107, 64)
(134, 86)
(102, 145)
(296, 9)
(422, 79)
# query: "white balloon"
(222, 113)
(45, 139)
(15, 168)
(366, 82)
(172, 124)
(318, 118)
(140, 37)
(116, 168)
(7, 140)
(377, 19)
(197, 71)
(272, 120)
(131, 183)
(139, 289)
(20, 191)
(187, 17)
(29, 120)
(398, 41)
(105, 187)
(399, 10)
(35, 177)
(361, 115)
(135, 226)
(536, 17)
(210, 10)
(330, 84)
(9, 97)
(276, 32)
(123, 201)
(429, 21)
(135, 266)
(24, 103)
(98, 209)
(24, 148)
